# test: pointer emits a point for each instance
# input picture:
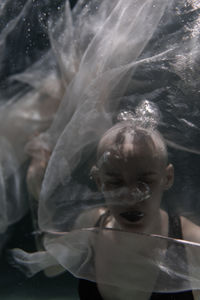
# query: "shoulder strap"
(174, 227)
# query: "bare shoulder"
(89, 218)
(191, 231)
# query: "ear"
(169, 179)
(94, 173)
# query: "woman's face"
(133, 182)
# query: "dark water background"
(13, 283)
(29, 40)
(23, 46)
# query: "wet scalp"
(124, 136)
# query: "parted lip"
(132, 216)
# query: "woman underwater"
(120, 52)
(132, 172)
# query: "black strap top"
(175, 231)
(174, 227)
(88, 290)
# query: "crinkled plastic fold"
(128, 260)
(106, 57)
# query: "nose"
(139, 191)
(139, 185)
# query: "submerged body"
(90, 290)
(132, 172)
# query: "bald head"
(125, 137)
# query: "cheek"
(158, 186)
(125, 196)
(117, 197)
(157, 190)
(113, 194)
(156, 198)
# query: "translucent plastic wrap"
(126, 77)
(28, 102)
(13, 204)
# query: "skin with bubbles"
(132, 172)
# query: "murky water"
(66, 77)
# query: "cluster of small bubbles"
(42, 16)
(146, 115)
(118, 196)
(143, 194)
(195, 4)
(28, 29)
(125, 116)
(148, 111)
(27, 50)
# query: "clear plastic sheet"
(28, 101)
(139, 58)
(128, 260)
(13, 204)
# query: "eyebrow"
(112, 174)
(146, 174)
(150, 173)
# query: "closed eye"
(147, 180)
(114, 182)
